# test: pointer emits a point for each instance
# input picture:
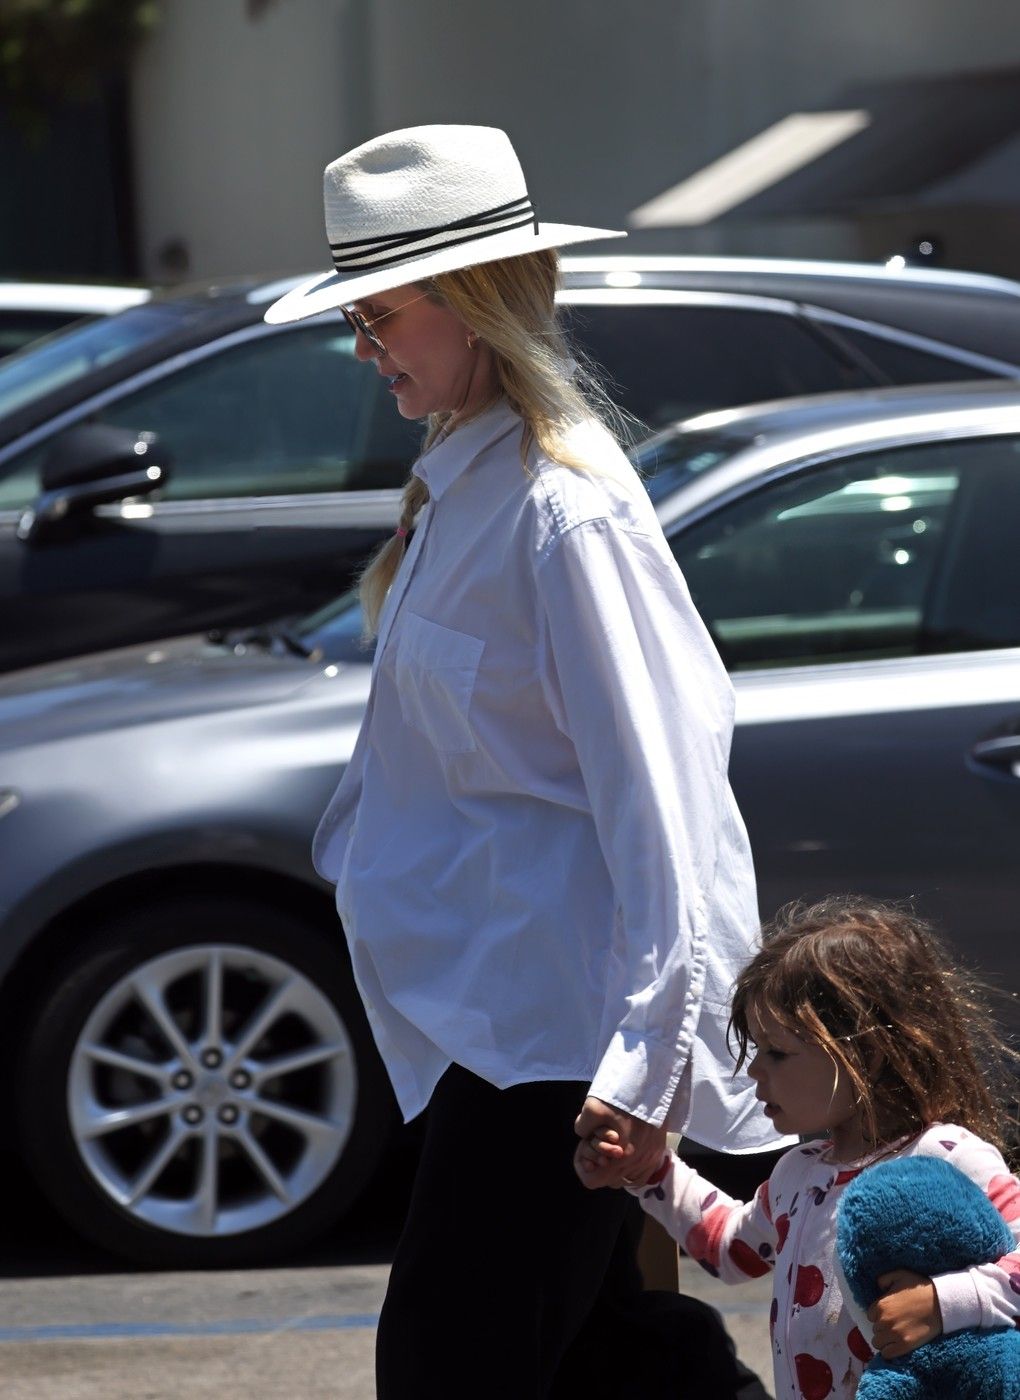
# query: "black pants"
(506, 1260)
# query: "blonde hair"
(872, 986)
(511, 305)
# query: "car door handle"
(1002, 752)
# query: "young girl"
(861, 1031)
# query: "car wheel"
(202, 1088)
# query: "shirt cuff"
(642, 1077)
(959, 1301)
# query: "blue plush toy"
(920, 1213)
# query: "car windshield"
(336, 630)
(671, 460)
(69, 355)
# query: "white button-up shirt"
(540, 867)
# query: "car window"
(291, 411)
(337, 630)
(663, 363)
(37, 370)
(905, 364)
(18, 328)
(974, 603)
(19, 479)
(833, 563)
(667, 462)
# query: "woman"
(541, 872)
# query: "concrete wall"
(237, 108)
(608, 105)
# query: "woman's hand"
(616, 1149)
(906, 1316)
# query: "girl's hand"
(906, 1316)
(628, 1157)
(597, 1158)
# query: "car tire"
(201, 1089)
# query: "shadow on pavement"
(38, 1244)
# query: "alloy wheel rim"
(211, 1090)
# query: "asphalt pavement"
(76, 1324)
(291, 1332)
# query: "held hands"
(615, 1148)
(598, 1159)
(906, 1316)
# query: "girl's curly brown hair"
(872, 985)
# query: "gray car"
(184, 466)
(29, 310)
(195, 1081)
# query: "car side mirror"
(87, 466)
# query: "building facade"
(236, 105)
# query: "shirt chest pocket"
(436, 670)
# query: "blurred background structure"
(171, 139)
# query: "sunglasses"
(357, 322)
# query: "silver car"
(195, 1081)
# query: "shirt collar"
(448, 458)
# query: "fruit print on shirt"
(747, 1261)
(810, 1286)
(814, 1376)
(1004, 1194)
(858, 1346)
(704, 1241)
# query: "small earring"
(472, 340)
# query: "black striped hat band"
(379, 252)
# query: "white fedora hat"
(418, 202)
